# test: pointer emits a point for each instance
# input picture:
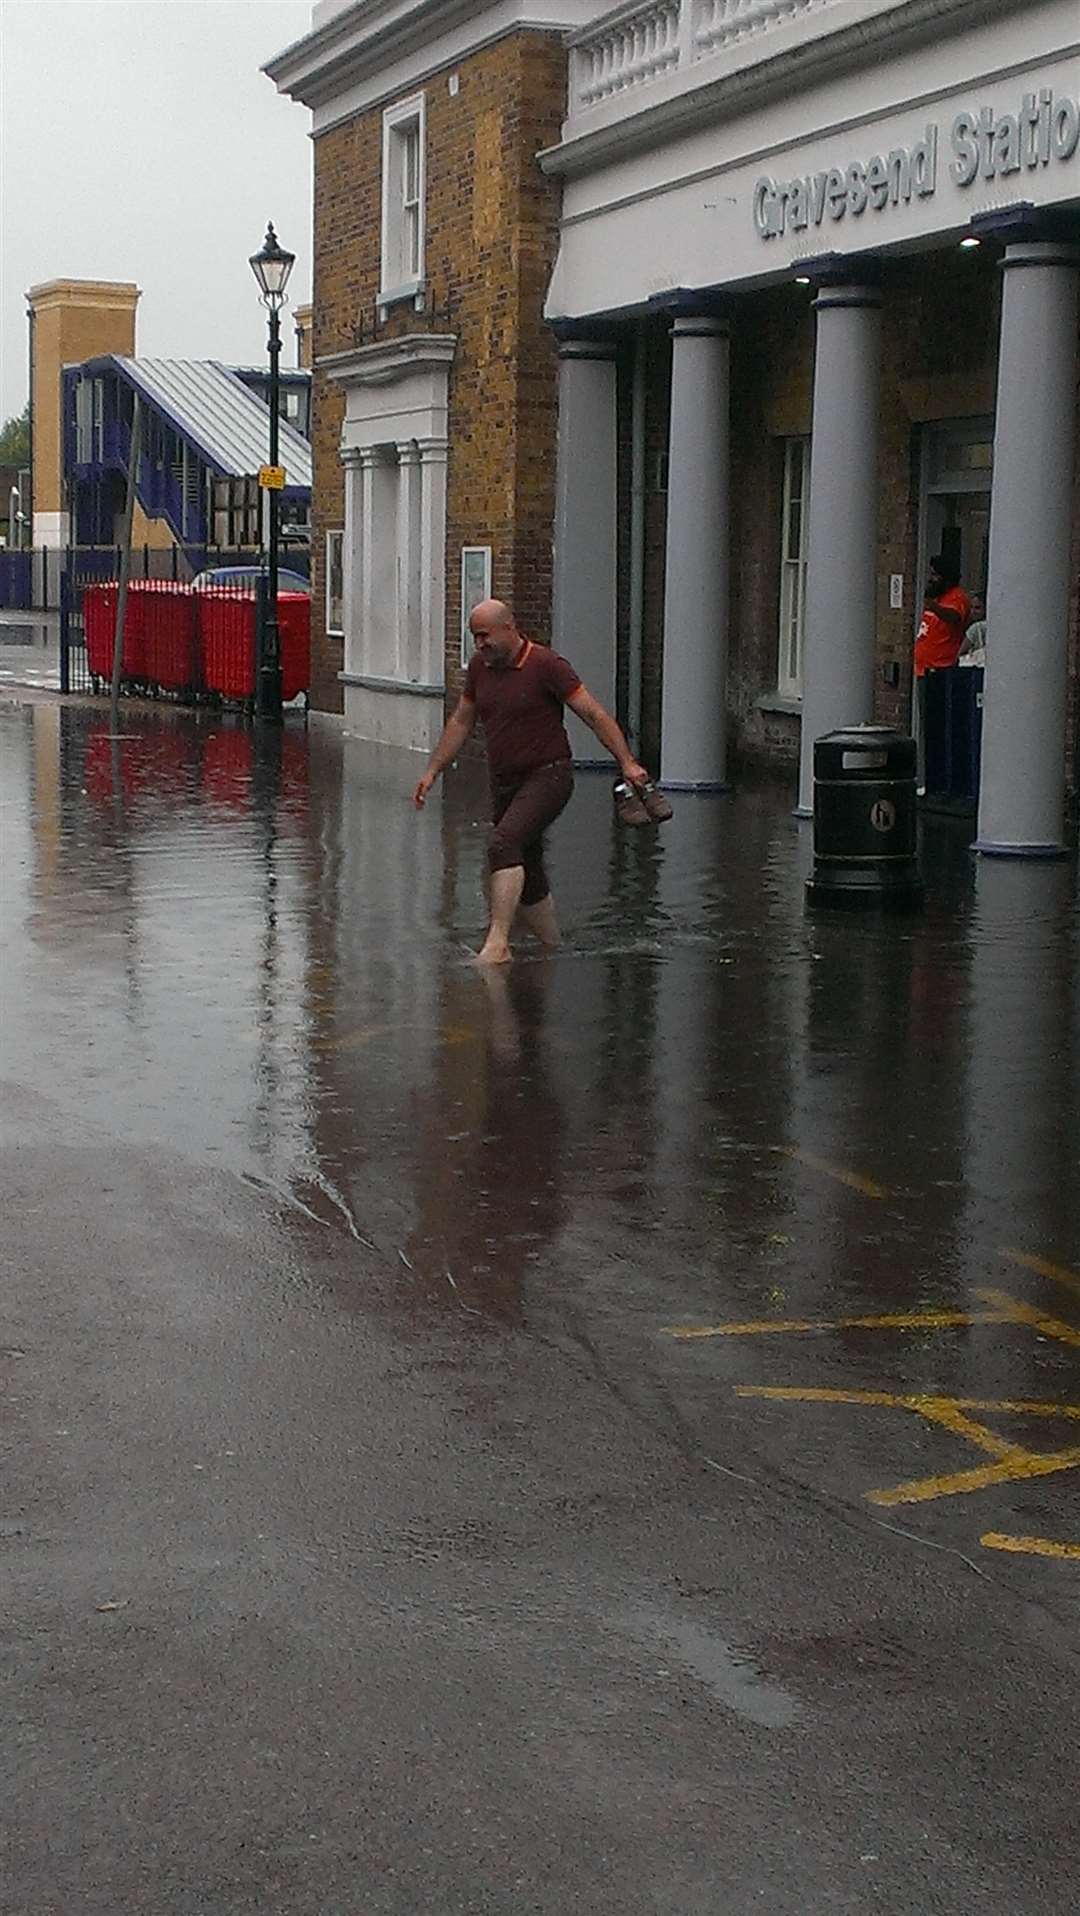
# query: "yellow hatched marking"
(352, 1040)
(1022, 1464)
(1014, 1312)
(1015, 1407)
(457, 1034)
(1012, 1462)
(895, 1321)
(369, 1034)
(950, 1417)
(855, 1181)
(1042, 1266)
(1029, 1546)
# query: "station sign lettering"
(982, 145)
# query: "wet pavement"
(598, 1437)
(29, 651)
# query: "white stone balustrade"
(723, 23)
(629, 50)
(638, 44)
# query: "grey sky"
(139, 141)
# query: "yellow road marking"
(1014, 1312)
(367, 1034)
(1031, 1546)
(869, 1187)
(951, 1418)
(353, 1039)
(895, 1321)
(1012, 1463)
(1042, 1266)
(912, 1400)
(1022, 1464)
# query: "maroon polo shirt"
(520, 707)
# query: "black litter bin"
(865, 819)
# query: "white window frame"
(791, 627)
(473, 591)
(335, 532)
(402, 278)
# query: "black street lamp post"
(271, 268)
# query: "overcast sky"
(139, 141)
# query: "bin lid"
(873, 738)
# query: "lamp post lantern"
(271, 267)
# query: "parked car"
(246, 575)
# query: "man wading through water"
(517, 690)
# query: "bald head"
(495, 633)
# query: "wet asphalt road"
(371, 1540)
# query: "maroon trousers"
(523, 805)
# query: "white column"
(586, 512)
(409, 638)
(841, 575)
(361, 661)
(693, 731)
(350, 557)
(1022, 795)
(432, 522)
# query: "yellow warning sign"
(272, 478)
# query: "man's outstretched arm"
(454, 733)
(609, 733)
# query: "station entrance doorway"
(954, 520)
(954, 514)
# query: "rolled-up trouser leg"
(523, 806)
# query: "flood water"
(599, 1435)
(710, 1105)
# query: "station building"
(810, 271)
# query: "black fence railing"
(32, 580)
(190, 639)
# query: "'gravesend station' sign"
(982, 145)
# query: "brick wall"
(74, 320)
(491, 233)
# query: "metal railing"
(31, 579)
(183, 642)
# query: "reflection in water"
(244, 945)
(488, 1141)
(1022, 1103)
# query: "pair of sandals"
(640, 804)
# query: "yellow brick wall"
(73, 320)
(491, 232)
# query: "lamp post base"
(268, 693)
(267, 659)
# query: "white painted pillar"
(352, 533)
(586, 512)
(1022, 793)
(693, 729)
(361, 660)
(841, 574)
(409, 635)
(432, 583)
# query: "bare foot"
(494, 952)
(542, 922)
